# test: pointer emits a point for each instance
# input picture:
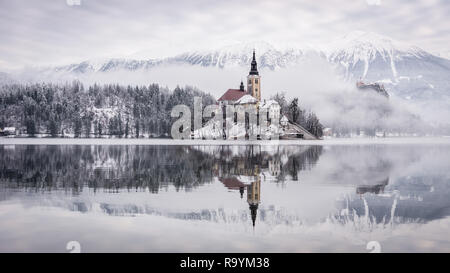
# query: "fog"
(337, 102)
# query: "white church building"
(250, 99)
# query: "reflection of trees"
(108, 167)
(301, 161)
(131, 167)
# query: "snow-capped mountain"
(107, 65)
(443, 54)
(241, 55)
(234, 55)
(358, 51)
(407, 71)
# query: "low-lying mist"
(337, 102)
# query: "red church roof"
(232, 183)
(232, 94)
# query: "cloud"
(373, 2)
(52, 32)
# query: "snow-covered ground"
(155, 141)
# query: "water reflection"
(41, 168)
(358, 190)
(108, 168)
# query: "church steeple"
(253, 211)
(253, 80)
(253, 198)
(254, 68)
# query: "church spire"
(253, 212)
(254, 69)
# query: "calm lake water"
(136, 198)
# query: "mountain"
(363, 52)
(241, 55)
(106, 65)
(234, 55)
(443, 54)
(406, 71)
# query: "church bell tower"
(254, 80)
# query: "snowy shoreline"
(154, 141)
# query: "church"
(232, 96)
(250, 100)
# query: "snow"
(406, 70)
(347, 50)
(269, 103)
(365, 47)
(246, 99)
(155, 141)
(359, 45)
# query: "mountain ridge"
(409, 71)
(357, 45)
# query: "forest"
(71, 110)
(108, 110)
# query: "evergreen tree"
(294, 110)
(31, 127)
(77, 127)
(127, 128)
(53, 128)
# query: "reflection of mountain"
(408, 200)
(93, 173)
(359, 166)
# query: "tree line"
(293, 111)
(70, 109)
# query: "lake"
(157, 197)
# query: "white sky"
(49, 32)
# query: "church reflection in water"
(253, 189)
(242, 171)
(80, 170)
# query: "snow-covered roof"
(246, 99)
(284, 119)
(269, 103)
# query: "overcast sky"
(51, 32)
